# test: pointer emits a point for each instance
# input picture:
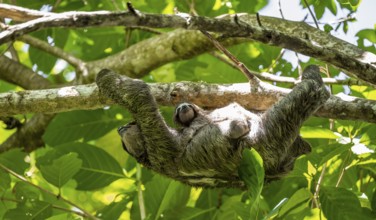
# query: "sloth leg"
(283, 121)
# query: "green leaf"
(331, 5)
(373, 201)
(186, 213)
(44, 61)
(15, 160)
(345, 27)
(113, 210)
(5, 86)
(365, 161)
(62, 169)
(368, 136)
(297, 200)
(24, 191)
(232, 208)
(343, 1)
(162, 194)
(339, 203)
(354, 3)
(317, 132)
(32, 210)
(4, 181)
(251, 171)
(328, 28)
(327, 152)
(208, 199)
(249, 6)
(71, 126)
(369, 34)
(98, 168)
(307, 214)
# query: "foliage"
(83, 166)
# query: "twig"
(10, 46)
(315, 202)
(239, 64)
(78, 64)
(313, 16)
(348, 18)
(146, 29)
(132, 10)
(116, 5)
(284, 79)
(128, 35)
(280, 9)
(141, 202)
(258, 19)
(57, 3)
(23, 179)
(343, 168)
(270, 68)
(53, 206)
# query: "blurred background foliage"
(84, 163)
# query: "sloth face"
(131, 139)
(184, 114)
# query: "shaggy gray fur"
(207, 148)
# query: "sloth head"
(185, 113)
(132, 140)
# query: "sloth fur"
(206, 149)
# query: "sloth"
(206, 148)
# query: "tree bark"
(296, 36)
(85, 97)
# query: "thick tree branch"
(139, 59)
(18, 74)
(29, 136)
(296, 36)
(170, 94)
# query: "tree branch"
(169, 94)
(296, 36)
(78, 64)
(285, 79)
(29, 136)
(139, 59)
(18, 74)
(19, 13)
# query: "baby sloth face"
(184, 114)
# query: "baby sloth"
(206, 149)
(233, 126)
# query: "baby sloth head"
(184, 114)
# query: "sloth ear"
(184, 114)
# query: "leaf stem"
(250, 76)
(313, 16)
(53, 206)
(343, 168)
(141, 202)
(315, 202)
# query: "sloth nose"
(121, 129)
(184, 107)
